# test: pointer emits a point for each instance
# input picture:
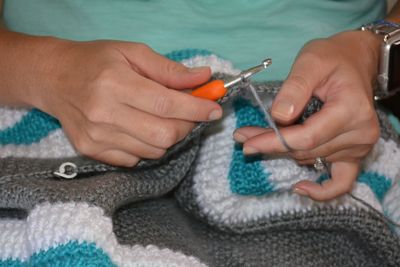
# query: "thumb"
(307, 74)
(163, 70)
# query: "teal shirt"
(243, 31)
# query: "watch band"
(390, 32)
(385, 28)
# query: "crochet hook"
(216, 89)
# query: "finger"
(343, 176)
(117, 158)
(152, 130)
(352, 154)
(344, 142)
(112, 140)
(319, 129)
(149, 96)
(93, 139)
(308, 72)
(243, 134)
(163, 70)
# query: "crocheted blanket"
(202, 204)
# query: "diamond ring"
(320, 163)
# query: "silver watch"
(388, 79)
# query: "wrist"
(47, 55)
(362, 48)
(26, 67)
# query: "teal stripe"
(11, 263)
(32, 127)
(71, 254)
(180, 55)
(36, 125)
(246, 174)
(395, 122)
(378, 183)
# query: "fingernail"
(215, 115)
(300, 191)
(198, 69)
(283, 109)
(239, 137)
(248, 150)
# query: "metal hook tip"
(267, 62)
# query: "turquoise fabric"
(395, 122)
(377, 182)
(243, 31)
(32, 128)
(71, 254)
(246, 174)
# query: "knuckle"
(104, 79)
(96, 105)
(163, 105)
(95, 112)
(95, 134)
(174, 67)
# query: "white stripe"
(216, 200)
(391, 203)
(55, 145)
(217, 64)
(10, 116)
(384, 159)
(51, 225)
(284, 173)
(13, 244)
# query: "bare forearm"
(25, 66)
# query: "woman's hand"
(341, 71)
(117, 100)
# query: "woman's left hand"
(341, 71)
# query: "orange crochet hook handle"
(213, 90)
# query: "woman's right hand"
(117, 100)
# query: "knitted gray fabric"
(155, 204)
(24, 183)
(324, 238)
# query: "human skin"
(341, 71)
(118, 102)
(336, 69)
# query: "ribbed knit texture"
(233, 211)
